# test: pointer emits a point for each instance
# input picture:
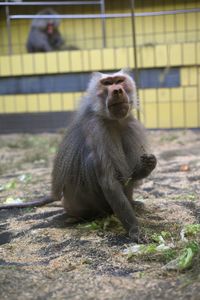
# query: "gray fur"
(96, 159)
(41, 23)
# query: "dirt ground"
(42, 257)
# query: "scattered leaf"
(2, 188)
(52, 150)
(25, 178)
(186, 259)
(192, 229)
(10, 185)
(11, 200)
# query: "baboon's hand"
(148, 161)
(136, 236)
(134, 233)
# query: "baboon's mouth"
(117, 103)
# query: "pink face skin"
(115, 90)
(50, 28)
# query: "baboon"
(103, 154)
(44, 35)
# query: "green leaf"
(192, 229)
(13, 200)
(25, 178)
(186, 259)
(10, 185)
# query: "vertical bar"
(132, 6)
(103, 22)
(8, 30)
(155, 59)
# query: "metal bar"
(49, 3)
(103, 23)
(136, 73)
(103, 16)
(8, 30)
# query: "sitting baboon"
(44, 35)
(103, 154)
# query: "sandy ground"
(41, 257)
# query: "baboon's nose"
(117, 91)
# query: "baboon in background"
(103, 154)
(44, 35)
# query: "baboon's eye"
(119, 81)
(107, 82)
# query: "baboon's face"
(50, 28)
(115, 93)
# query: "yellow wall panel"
(121, 58)
(141, 95)
(39, 102)
(130, 57)
(177, 116)
(189, 54)
(180, 25)
(10, 104)
(76, 61)
(164, 115)
(21, 103)
(2, 104)
(45, 103)
(33, 103)
(39, 63)
(184, 75)
(77, 99)
(69, 103)
(150, 115)
(147, 56)
(159, 23)
(56, 102)
(27, 64)
(63, 61)
(5, 66)
(85, 60)
(177, 94)
(148, 24)
(170, 23)
(108, 58)
(198, 52)
(140, 28)
(175, 57)
(190, 93)
(150, 95)
(16, 63)
(95, 60)
(161, 55)
(191, 21)
(189, 76)
(191, 114)
(163, 95)
(52, 62)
